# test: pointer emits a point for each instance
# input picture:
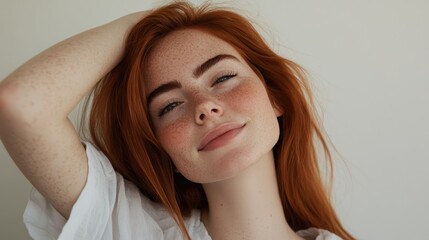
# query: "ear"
(277, 110)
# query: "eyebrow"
(200, 70)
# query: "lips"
(218, 132)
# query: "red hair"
(120, 127)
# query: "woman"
(199, 131)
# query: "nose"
(206, 110)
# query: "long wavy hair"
(120, 126)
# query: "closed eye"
(168, 108)
(224, 78)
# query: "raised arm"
(36, 99)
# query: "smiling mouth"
(222, 139)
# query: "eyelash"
(172, 105)
(168, 108)
(224, 78)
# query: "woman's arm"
(53, 82)
(36, 99)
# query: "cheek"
(252, 101)
(247, 96)
(172, 136)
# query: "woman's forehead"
(181, 51)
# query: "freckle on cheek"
(174, 133)
(243, 94)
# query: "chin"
(233, 163)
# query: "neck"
(247, 206)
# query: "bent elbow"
(10, 112)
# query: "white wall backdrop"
(369, 62)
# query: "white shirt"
(111, 207)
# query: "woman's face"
(210, 111)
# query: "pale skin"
(35, 101)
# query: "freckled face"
(226, 92)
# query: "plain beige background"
(369, 62)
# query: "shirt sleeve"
(108, 207)
(317, 234)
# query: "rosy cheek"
(244, 96)
(172, 136)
